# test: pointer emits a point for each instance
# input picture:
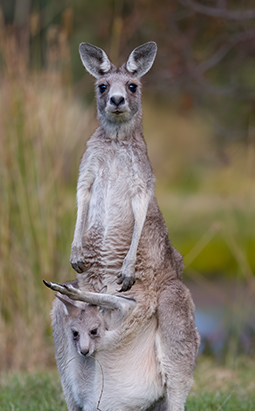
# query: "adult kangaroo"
(121, 238)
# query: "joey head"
(86, 327)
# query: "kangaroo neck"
(122, 131)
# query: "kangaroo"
(151, 370)
(79, 330)
(119, 231)
(121, 238)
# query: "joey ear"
(94, 59)
(141, 59)
(70, 309)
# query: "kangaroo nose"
(85, 351)
(117, 100)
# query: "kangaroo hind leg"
(177, 343)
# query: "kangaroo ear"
(141, 59)
(70, 308)
(94, 60)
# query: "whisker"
(102, 372)
(102, 389)
(71, 359)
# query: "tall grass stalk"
(43, 132)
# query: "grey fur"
(153, 359)
(121, 238)
(115, 192)
(141, 59)
(80, 330)
(94, 59)
(116, 307)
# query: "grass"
(225, 402)
(223, 388)
(216, 388)
(30, 392)
(42, 138)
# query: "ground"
(226, 388)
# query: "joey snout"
(85, 348)
(85, 352)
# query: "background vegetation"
(199, 124)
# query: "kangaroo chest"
(121, 172)
(117, 179)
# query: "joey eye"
(75, 334)
(102, 88)
(132, 87)
(93, 332)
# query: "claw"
(82, 265)
(46, 283)
(76, 268)
(56, 286)
(128, 282)
(121, 278)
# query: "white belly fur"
(132, 379)
(110, 204)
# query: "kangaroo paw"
(126, 281)
(79, 262)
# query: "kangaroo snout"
(117, 100)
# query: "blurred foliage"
(41, 138)
(199, 125)
(206, 48)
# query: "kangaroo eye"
(132, 87)
(75, 334)
(102, 88)
(94, 332)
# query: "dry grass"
(212, 377)
(43, 132)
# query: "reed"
(43, 132)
